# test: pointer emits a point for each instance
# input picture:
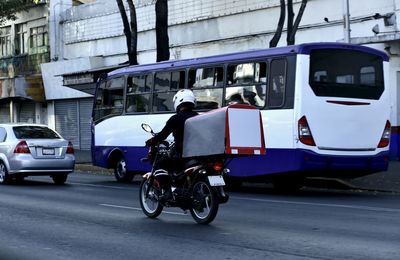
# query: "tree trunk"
(133, 45)
(162, 30)
(127, 32)
(292, 36)
(274, 41)
(289, 21)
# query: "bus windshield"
(346, 73)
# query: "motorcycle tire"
(151, 206)
(205, 203)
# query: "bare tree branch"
(289, 20)
(128, 33)
(274, 41)
(162, 38)
(134, 38)
(297, 22)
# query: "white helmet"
(183, 96)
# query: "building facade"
(24, 46)
(88, 39)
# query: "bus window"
(162, 81)
(138, 93)
(246, 84)
(206, 84)
(367, 76)
(358, 77)
(109, 98)
(178, 80)
(277, 84)
(166, 86)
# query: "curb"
(93, 169)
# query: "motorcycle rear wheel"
(150, 204)
(205, 206)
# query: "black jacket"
(175, 125)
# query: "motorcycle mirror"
(147, 128)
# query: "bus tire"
(120, 172)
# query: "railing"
(27, 64)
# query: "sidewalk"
(388, 181)
(87, 167)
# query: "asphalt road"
(93, 217)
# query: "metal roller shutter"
(27, 112)
(67, 121)
(85, 115)
(4, 113)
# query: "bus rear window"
(346, 73)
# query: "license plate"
(48, 151)
(216, 180)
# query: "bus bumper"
(307, 163)
(348, 166)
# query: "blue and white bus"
(325, 108)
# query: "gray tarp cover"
(205, 134)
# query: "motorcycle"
(197, 187)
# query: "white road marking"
(133, 208)
(318, 204)
(257, 200)
(99, 186)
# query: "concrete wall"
(208, 27)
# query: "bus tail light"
(22, 147)
(385, 136)
(305, 135)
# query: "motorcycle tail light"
(217, 166)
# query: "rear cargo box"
(233, 130)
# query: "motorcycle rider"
(184, 103)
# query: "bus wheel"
(120, 172)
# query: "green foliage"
(8, 8)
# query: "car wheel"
(4, 177)
(120, 172)
(59, 179)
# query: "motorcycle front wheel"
(205, 203)
(148, 196)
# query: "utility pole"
(346, 19)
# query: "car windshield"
(34, 132)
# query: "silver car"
(31, 149)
